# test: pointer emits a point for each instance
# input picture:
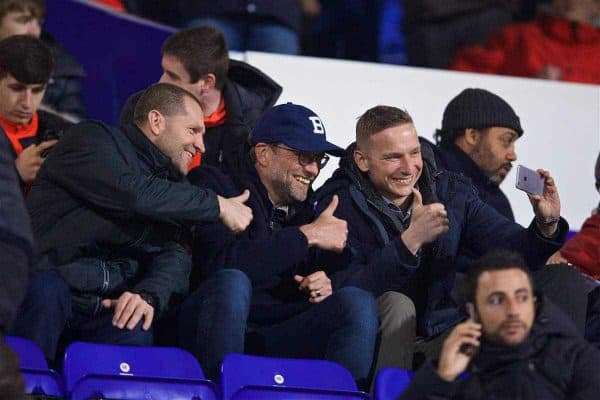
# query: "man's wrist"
(410, 242)
(445, 375)
(307, 230)
(546, 222)
(548, 227)
(148, 298)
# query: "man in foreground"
(514, 346)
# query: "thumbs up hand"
(234, 213)
(327, 232)
(426, 223)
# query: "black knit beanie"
(479, 109)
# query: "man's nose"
(33, 28)
(27, 98)
(512, 307)
(512, 155)
(312, 168)
(199, 144)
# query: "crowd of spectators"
(194, 223)
(549, 39)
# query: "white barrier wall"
(561, 121)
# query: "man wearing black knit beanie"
(477, 139)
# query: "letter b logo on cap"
(318, 127)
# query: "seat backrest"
(83, 359)
(238, 371)
(30, 356)
(39, 379)
(391, 382)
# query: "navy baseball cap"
(295, 126)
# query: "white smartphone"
(529, 181)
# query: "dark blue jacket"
(452, 158)
(377, 259)
(270, 257)
(554, 362)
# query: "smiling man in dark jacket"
(515, 346)
(408, 225)
(110, 211)
(275, 294)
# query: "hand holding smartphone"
(529, 181)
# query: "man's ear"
(472, 136)
(156, 122)
(262, 154)
(208, 82)
(361, 160)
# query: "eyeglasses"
(305, 158)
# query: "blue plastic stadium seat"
(391, 382)
(128, 372)
(39, 379)
(251, 377)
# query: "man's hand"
(30, 160)
(557, 258)
(327, 232)
(235, 215)
(453, 361)
(426, 223)
(129, 310)
(547, 206)
(317, 285)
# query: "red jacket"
(583, 250)
(525, 49)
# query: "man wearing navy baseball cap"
(265, 294)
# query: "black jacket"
(16, 240)
(552, 363)
(452, 158)
(63, 93)
(268, 251)
(247, 94)
(109, 194)
(377, 259)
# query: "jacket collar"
(149, 153)
(459, 161)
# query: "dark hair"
(163, 97)
(495, 260)
(202, 51)
(378, 118)
(37, 8)
(26, 58)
